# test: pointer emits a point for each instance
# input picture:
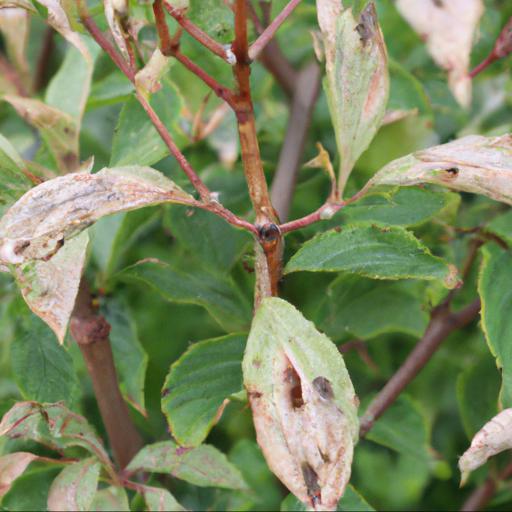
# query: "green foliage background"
(408, 461)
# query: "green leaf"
(111, 498)
(197, 385)
(478, 388)
(501, 226)
(351, 501)
(303, 403)
(130, 358)
(397, 207)
(495, 289)
(219, 245)
(136, 140)
(13, 179)
(372, 251)
(75, 487)
(114, 88)
(58, 129)
(56, 210)
(214, 17)
(204, 466)
(160, 500)
(218, 295)
(52, 425)
(69, 88)
(403, 428)
(481, 165)
(392, 307)
(357, 81)
(12, 466)
(112, 236)
(42, 368)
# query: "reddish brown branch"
(41, 75)
(198, 34)
(274, 59)
(442, 323)
(91, 332)
(283, 186)
(482, 495)
(266, 36)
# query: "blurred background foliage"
(408, 461)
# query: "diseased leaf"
(59, 19)
(15, 27)
(357, 80)
(53, 212)
(136, 140)
(482, 165)
(219, 295)
(494, 287)
(12, 466)
(53, 425)
(372, 251)
(351, 501)
(448, 28)
(58, 129)
(493, 438)
(75, 487)
(198, 385)
(392, 307)
(130, 358)
(111, 498)
(160, 500)
(115, 12)
(50, 287)
(204, 466)
(303, 403)
(42, 369)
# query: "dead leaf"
(448, 28)
(303, 402)
(493, 438)
(147, 80)
(482, 165)
(115, 12)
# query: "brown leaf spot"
(324, 388)
(291, 377)
(312, 485)
(367, 24)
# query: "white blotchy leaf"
(12, 466)
(477, 164)
(50, 287)
(148, 78)
(303, 402)
(493, 438)
(357, 79)
(114, 11)
(58, 19)
(448, 28)
(39, 223)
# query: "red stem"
(262, 41)
(198, 34)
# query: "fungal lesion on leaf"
(367, 24)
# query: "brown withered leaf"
(482, 165)
(12, 466)
(303, 402)
(493, 438)
(448, 28)
(48, 215)
(357, 79)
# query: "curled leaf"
(115, 12)
(448, 28)
(493, 438)
(482, 165)
(37, 225)
(357, 79)
(148, 78)
(303, 402)
(14, 26)
(12, 466)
